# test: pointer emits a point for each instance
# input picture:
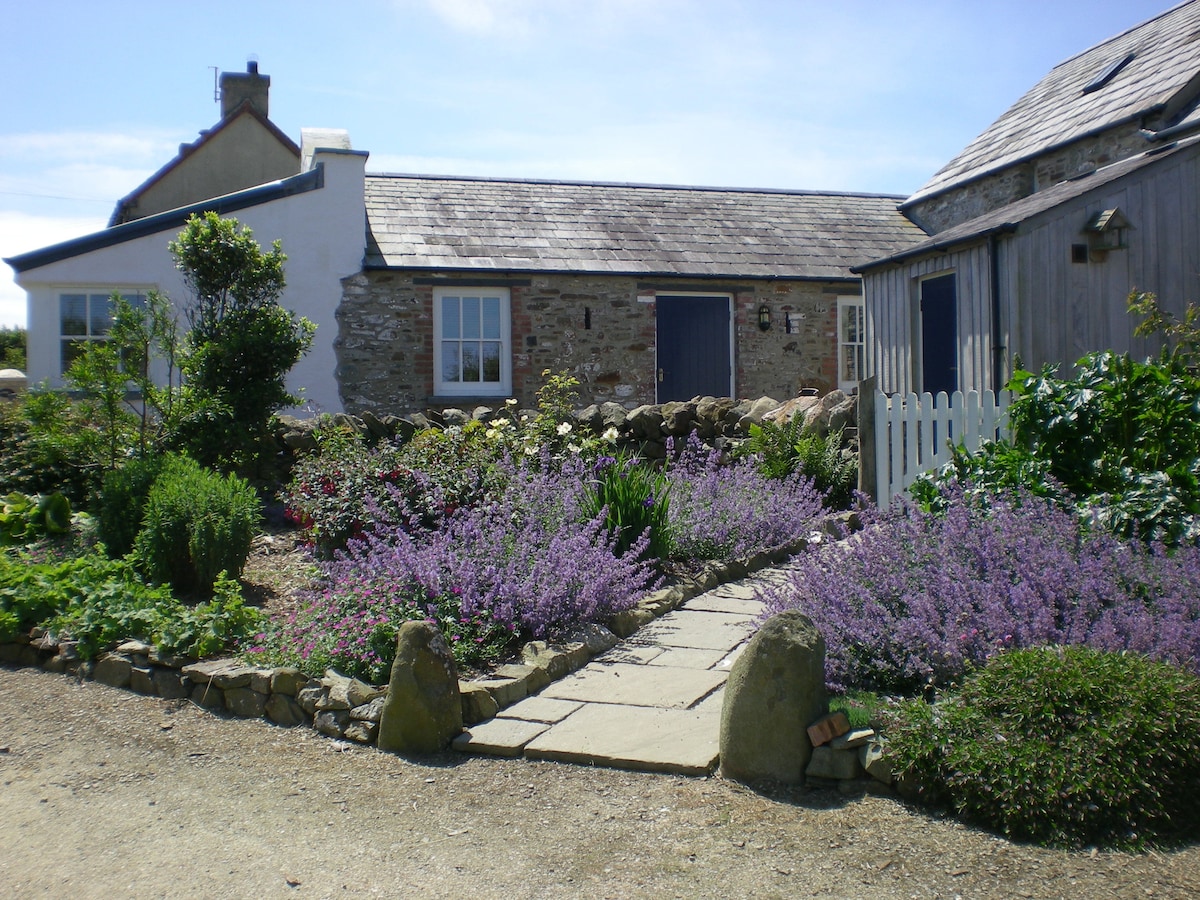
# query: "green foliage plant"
(1064, 746)
(47, 444)
(197, 524)
(12, 348)
(241, 343)
(97, 602)
(635, 498)
(780, 449)
(25, 518)
(123, 498)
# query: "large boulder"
(775, 689)
(423, 710)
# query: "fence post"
(868, 477)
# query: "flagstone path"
(652, 702)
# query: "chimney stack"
(237, 88)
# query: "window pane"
(470, 364)
(450, 361)
(71, 351)
(137, 301)
(73, 311)
(470, 318)
(101, 309)
(491, 361)
(491, 318)
(450, 320)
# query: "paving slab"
(499, 737)
(713, 602)
(634, 685)
(540, 709)
(684, 742)
(700, 630)
(688, 658)
(630, 653)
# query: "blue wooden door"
(939, 334)
(693, 335)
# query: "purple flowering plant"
(728, 510)
(524, 564)
(919, 599)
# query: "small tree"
(12, 348)
(241, 345)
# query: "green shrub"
(123, 498)
(197, 525)
(98, 602)
(48, 444)
(1063, 746)
(780, 450)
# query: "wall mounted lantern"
(764, 318)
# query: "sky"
(853, 95)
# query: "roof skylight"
(1108, 74)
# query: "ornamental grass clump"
(633, 497)
(731, 510)
(1066, 746)
(920, 599)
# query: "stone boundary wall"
(716, 421)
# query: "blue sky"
(862, 95)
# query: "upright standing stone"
(775, 689)
(423, 710)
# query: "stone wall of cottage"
(601, 329)
(1016, 181)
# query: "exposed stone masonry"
(600, 329)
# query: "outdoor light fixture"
(764, 318)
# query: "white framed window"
(86, 315)
(472, 342)
(852, 348)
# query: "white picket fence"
(913, 434)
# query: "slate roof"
(1163, 77)
(458, 223)
(1008, 218)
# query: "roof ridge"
(635, 185)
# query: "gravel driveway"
(109, 794)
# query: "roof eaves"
(935, 246)
(312, 180)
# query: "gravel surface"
(104, 793)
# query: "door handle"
(660, 374)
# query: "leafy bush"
(780, 450)
(1063, 746)
(721, 511)
(24, 519)
(49, 444)
(520, 565)
(633, 497)
(98, 602)
(123, 497)
(197, 525)
(921, 598)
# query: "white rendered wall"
(323, 233)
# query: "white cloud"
(20, 233)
